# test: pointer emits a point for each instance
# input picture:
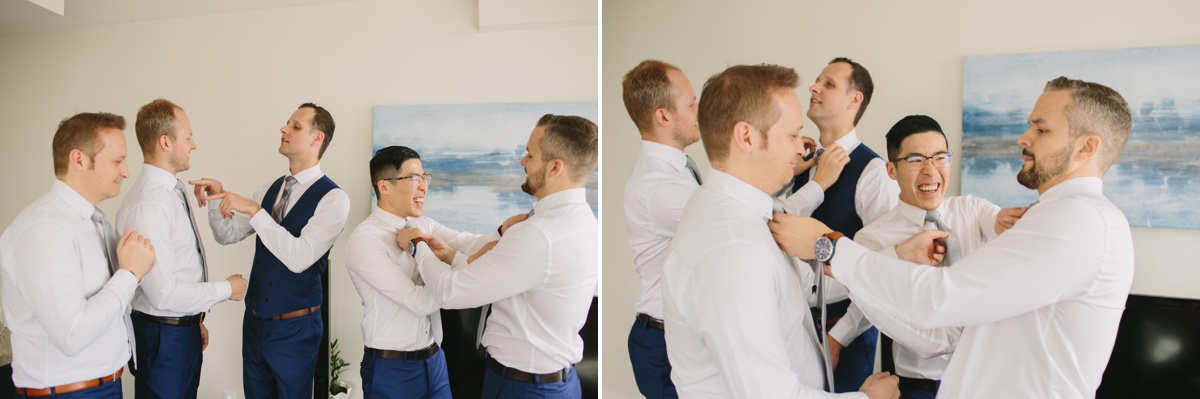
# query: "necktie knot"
(779, 206)
(98, 216)
(290, 182)
(933, 216)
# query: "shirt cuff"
(224, 290)
(843, 332)
(124, 281)
(843, 262)
(261, 219)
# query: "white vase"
(343, 395)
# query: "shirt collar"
(1085, 184)
(158, 175)
(74, 200)
(308, 175)
(568, 196)
(917, 215)
(388, 218)
(756, 200)
(847, 142)
(671, 155)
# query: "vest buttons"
(270, 283)
(267, 300)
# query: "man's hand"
(238, 285)
(486, 247)
(135, 254)
(440, 249)
(1008, 217)
(801, 164)
(797, 234)
(835, 350)
(204, 188)
(203, 337)
(881, 386)
(923, 248)
(231, 201)
(405, 236)
(833, 160)
(511, 221)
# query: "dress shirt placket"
(782, 207)
(488, 308)
(195, 231)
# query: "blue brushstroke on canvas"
(1157, 176)
(474, 153)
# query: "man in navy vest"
(297, 219)
(861, 194)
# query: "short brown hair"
(153, 120)
(573, 139)
(646, 88)
(81, 132)
(323, 121)
(859, 80)
(1097, 109)
(740, 93)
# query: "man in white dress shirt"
(297, 218)
(737, 308)
(661, 102)
(168, 312)
(401, 325)
(540, 277)
(1040, 304)
(67, 281)
(838, 100)
(920, 162)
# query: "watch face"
(823, 249)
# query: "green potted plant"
(337, 389)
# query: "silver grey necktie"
(953, 246)
(107, 240)
(195, 232)
(818, 273)
(277, 211)
(691, 165)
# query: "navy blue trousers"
(856, 362)
(394, 379)
(279, 357)
(496, 386)
(111, 390)
(648, 354)
(168, 360)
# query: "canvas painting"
(1158, 173)
(474, 153)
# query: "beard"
(682, 137)
(533, 183)
(179, 163)
(1042, 171)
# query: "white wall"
(914, 51)
(239, 76)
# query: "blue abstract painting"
(474, 153)
(1158, 173)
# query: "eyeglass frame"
(925, 159)
(426, 178)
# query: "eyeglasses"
(917, 161)
(415, 179)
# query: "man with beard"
(539, 278)
(661, 102)
(168, 312)
(1040, 304)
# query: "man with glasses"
(402, 325)
(920, 163)
(297, 218)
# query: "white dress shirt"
(737, 310)
(173, 288)
(67, 313)
(297, 253)
(540, 279)
(398, 313)
(658, 187)
(874, 195)
(1039, 305)
(973, 221)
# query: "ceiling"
(22, 16)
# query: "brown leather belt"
(72, 387)
(650, 321)
(185, 321)
(419, 354)
(919, 383)
(518, 375)
(291, 315)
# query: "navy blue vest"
(838, 211)
(273, 288)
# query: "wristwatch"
(412, 248)
(825, 246)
